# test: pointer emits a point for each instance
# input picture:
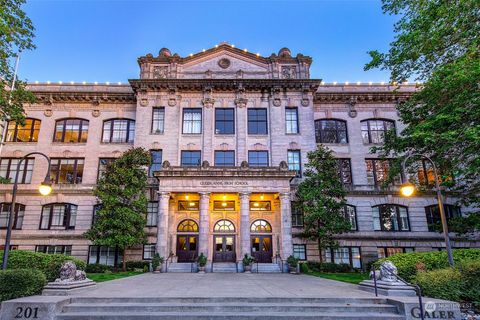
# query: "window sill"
(255, 135)
(117, 143)
(334, 144)
(20, 142)
(225, 134)
(293, 134)
(157, 133)
(192, 134)
(57, 143)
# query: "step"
(181, 267)
(224, 267)
(266, 268)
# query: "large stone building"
(229, 133)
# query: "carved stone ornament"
(96, 113)
(205, 164)
(208, 102)
(160, 72)
(48, 112)
(166, 164)
(241, 102)
(172, 97)
(144, 102)
(283, 165)
(305, 102)
(244, 164)
(224, 63)
(172, 102)
(352, 113)
(289, 72)
(277, 102)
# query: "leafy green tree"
(121, 191)
(16, 35)
(438, 42)
(321, 197)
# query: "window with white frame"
(300, 251)
(192, 120)
(118, 131)
(294, 162)
(291, 120)
(158, 120)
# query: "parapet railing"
(418, 290)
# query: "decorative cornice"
(139, 85)
(95, 98)
(215, 172)
(361, 97)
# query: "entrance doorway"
(262, 248)
(187, 248)
(224, 248)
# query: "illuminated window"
(27, 133)
(345, 171)
(187, 225)
(374, 130)
(261, 226)
(188, 205)
(260, 206)
(224, 205)
(66, 170)
(294, 162)
(377, 172)
(224, 226)
(71, 131)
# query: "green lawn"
(101, 277)
(350, 277)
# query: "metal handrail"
(170, 256)
(418, 290)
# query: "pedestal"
(67, 288)
(387, 288)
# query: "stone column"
(162, 224)
(286, 229)
(204, 223)
(244, 224)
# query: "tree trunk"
(320, 251)
(124, 265)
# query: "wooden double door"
(261, 247)
(187, 248)
(224, 248)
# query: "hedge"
(328, 267)
(97, 268)
(49, 264)
(408, 264)
(18, 283)
(461, 283)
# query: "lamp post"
(45, 188)
(408, 189)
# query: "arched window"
(331, 131)
(118, 131)
(25, 133)
(261, 226)
(58, 216)
(350, 213)
(5, 214)
(71, 130)
(224, 226)
(373, 130)
(187, 225)
(390, 217)
(433, 214)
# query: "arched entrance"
(224, 241)
(187, 241)
(261, 241)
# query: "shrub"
(441, 284)
(304, 268)
(470, 272)
(292, 261)
(329, 267)
(408, 263)
(18, 283)
(140, 264)
(49, 264)
(97, 268)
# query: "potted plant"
(157, 261)
(247, 263)
(202, 261)
(292, 264)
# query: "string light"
(71, 82)
(358, 83)
(370, 83)
(346, 83)
(84, 82)
(48, 82)
(95, 83)
(334, 83)
(36, 82)
(119, 83)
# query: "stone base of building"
(67, 288)
(386, 288)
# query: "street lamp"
(45, 189)
(408, 189)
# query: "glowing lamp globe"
(407, 189)
(45, 188)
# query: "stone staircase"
(91, 308)
(179, 267)
(266, 268)
(224, 267)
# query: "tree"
(121, 191)
(438, 42)
(16, 35)
(321, 197)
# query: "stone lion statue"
(69, 273)
(388, 272)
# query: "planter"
(157, 270)
(248, 268)
(201, 269)
(292, 269)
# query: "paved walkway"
(224, 285)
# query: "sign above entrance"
(224, 183)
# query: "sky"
(100, 40)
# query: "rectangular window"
(192, 120)
(331, 131)
(385, 252)
(257, 121)
(291, 120)
(152, 214)
(102, 166)
(17, 218)
(297, 216)
(58, 216)
(433, 214)
(190, 158)
(350, 213)
(373, 131)
(66, 250)
(389, 217)
(224, 158)
(347, 255)
(71, 131)
(294, 162)
(258, 158)
(118, 131)
(224, 121)
(300, 251)
(377, 172)
(260, 206)
(8, 169)
(188, 206)
(27, 133)
(104, 255)
(158, 120)
(68, 171)
(224, 205)
(345, 171)
(156, 164)
(148, 251)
